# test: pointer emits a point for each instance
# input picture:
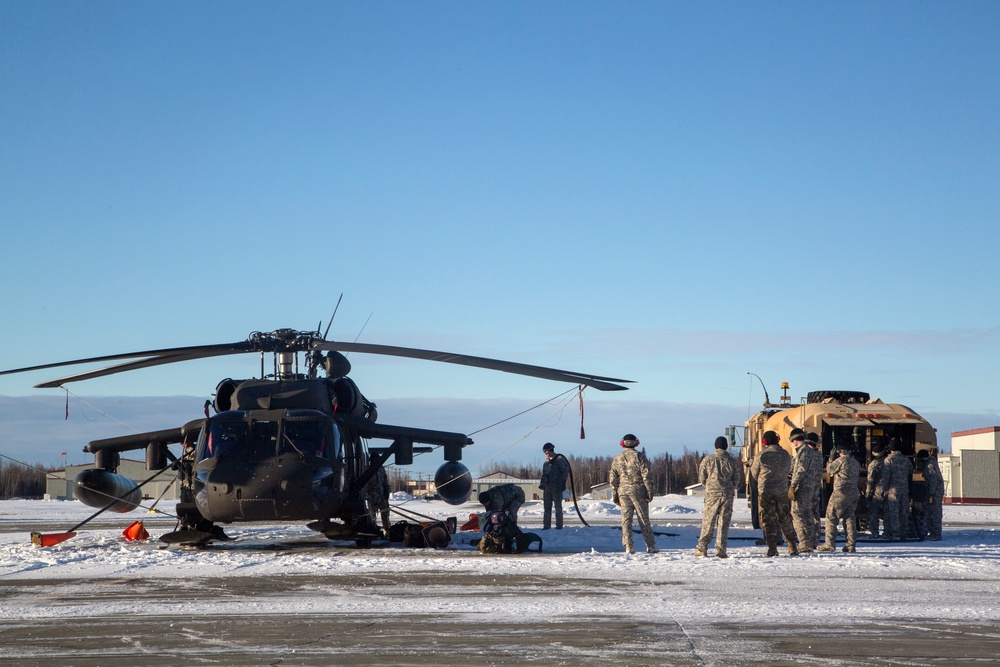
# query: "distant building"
(420, 487)
(531, 488)
(59, 485)
(695, 490)
(972, 471)
(601, 491)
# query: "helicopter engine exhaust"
(453, 482)
(98, 488)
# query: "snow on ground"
(957, 578)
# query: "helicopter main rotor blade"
(131, 366)
(289, 340)
(192, 352)
(595, 381)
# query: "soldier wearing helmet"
(503, 498)
(812, 441)
(632, 489)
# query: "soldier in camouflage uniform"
(632, 489)
(503, 498)
(377, 491)
(844, 472)
(935, 494)
(771, 468)
(719, 473)
(555, 471)
(812, 441)
(807, 474)
(875, 490)
(897, 497)
(918, 499)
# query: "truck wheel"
(839, 396)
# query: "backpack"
(502, 536)
(397, 531)
(413, 536)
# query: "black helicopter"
(289, 446)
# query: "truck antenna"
(767, 399)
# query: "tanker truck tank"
(841, 419)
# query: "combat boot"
(826, 547)
(848, 550)
(793, 550)
(721, 554)
(772, 552)
(698, 553)
(652, 550)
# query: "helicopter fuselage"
(265, 465)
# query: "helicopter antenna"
(362, 328)
(314, 358)
(335, 309)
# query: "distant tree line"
(670, 473)
(19, 481)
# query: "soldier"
(875, 490)
(918, 499)
(719, 473)
(935, 494)
(503, 498)
(377, 490)
(897, 496)
(844, 472)
(632, 489)
(812, 441)
(771, 468)
(807, 474)
(555, 470)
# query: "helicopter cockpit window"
(224, 438)
(305, 438)
(263, 439)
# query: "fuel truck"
(841, 419)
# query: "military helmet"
(797, 434)
(812, 438)
(548, 447)
(629, 440)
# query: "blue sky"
(675, 193)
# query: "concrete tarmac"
(449, 640)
